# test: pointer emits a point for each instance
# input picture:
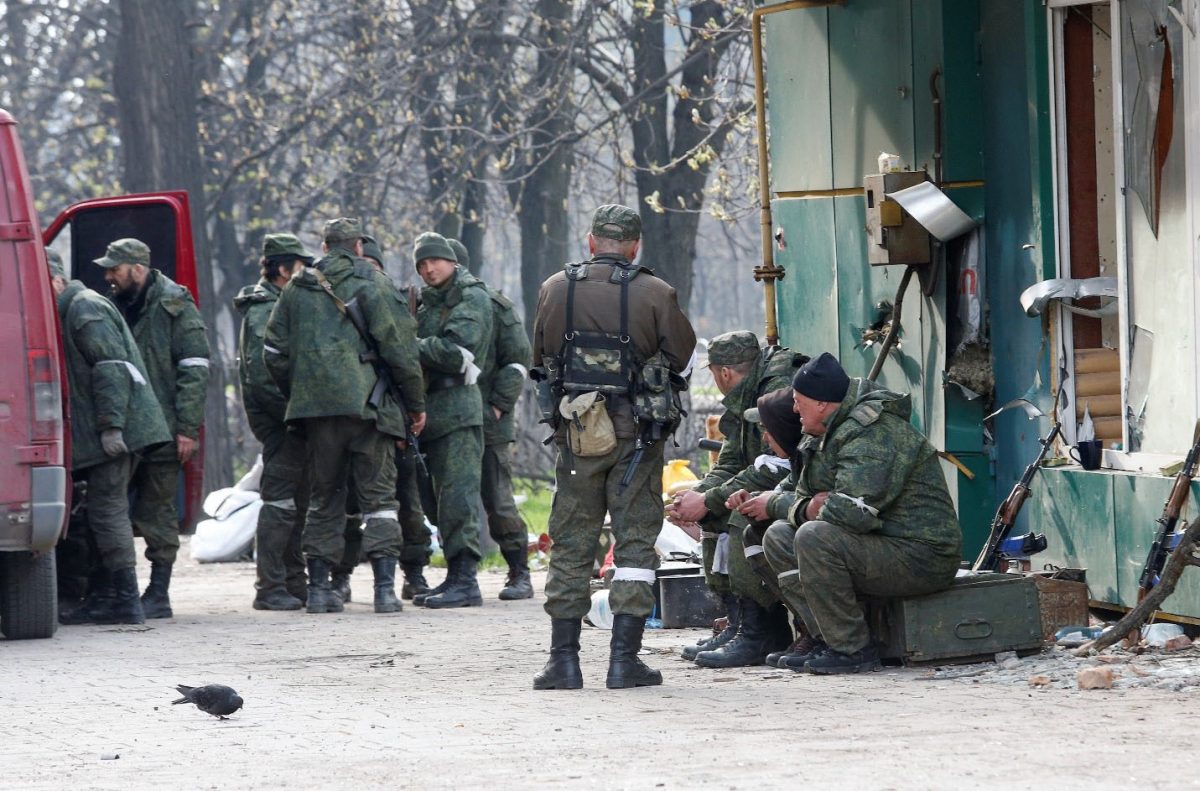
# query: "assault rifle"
(384, 383)
(998, 543)
(1167, 539)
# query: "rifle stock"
(1167, 523)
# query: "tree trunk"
(157, 93)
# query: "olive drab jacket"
(453, 319)
(315, 355)
(170, 334)
(656, 322)
(883, 476)
(501, 382)
(106, 378)
(261, 398)
(746, 461)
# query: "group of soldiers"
(137, 372)
(823, 493)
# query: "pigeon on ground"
(215, 699)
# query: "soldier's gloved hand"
(113, 442)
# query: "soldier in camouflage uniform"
(417, 545)
(870, 515)
(455, 325)
(743, 372)
(281, 584)
(170, 335)
(500, 386)
(606, 323)
(322, 365)
(114, 415)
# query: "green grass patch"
(536, 508)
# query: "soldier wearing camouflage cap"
(870, 515)
(500, 385)
(171, 336)
(323, 367)
(280, 583)
(455, 326)
(581, 311)
(743, 372)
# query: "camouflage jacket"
(736, 466)
(501, 382)
(169, 332)
(106, 378)
(314, 353)
(453, 319)
(881, 473)
(264, 403)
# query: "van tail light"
(47, 396)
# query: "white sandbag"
(252, 481)
(224, 502)
(224, 539)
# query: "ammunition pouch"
(656, 398)
(589, 428)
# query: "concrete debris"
(1178, 643)
(1096, 678)
(1039, 681)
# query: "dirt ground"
(425, 699)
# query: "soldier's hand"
(693, 530)
(756, 507)
(112, 440)
(690, 507)
(814, 505)
(736, 499)
(498, 412)
(418, 422)
(186, 447)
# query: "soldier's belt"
(445, 383)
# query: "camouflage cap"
(614, 221)
(732, 348)
(284, 244)
(432, 245)
(125, 251)
(55, 263)
(460, 252)
(343, 229)
(371, 248)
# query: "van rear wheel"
(28, 595)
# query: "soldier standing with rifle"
(611, 342)
(280, 563)
(500, 386)
(327, 369)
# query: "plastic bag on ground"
(225, 538)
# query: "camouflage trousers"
(154, 517)
(416, 542)
(586, 489)
(280, 563)
(455, 463)
(745, 546)
(824, 571)
(505, 524)
(345, 452)
(108, 525)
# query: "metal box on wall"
(973, 619)
(893, 237)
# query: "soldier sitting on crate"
(870, 515)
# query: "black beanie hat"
(822, 379)
(776, 415)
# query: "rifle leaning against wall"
(1166, 540)
(999, 544)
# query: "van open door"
(163, 221)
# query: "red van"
(35, 454)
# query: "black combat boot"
(276, 599)
(321, 597)
(126, 601)
(802, 643)
(414, 581)
(625, 670)
(340, 583)
(749, 646)
(156, 601)
(518, 585)
(835, 663)
(384, 567)
(562, 670)
(463, 591)
(806, 649)
(419, 599)
(96, 602)
(733, 614)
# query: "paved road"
(426, 699)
